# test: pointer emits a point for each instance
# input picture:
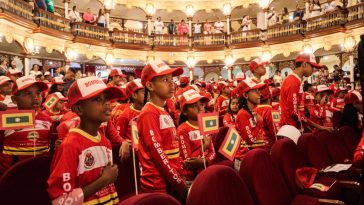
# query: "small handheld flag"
(208, 123)
(134, 134)
(230, 144)
(49, 103)
(17, 119)
(276, 116)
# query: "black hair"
(229, 108)
(146, 92)
(349, 117)
(182, 117)
(298, 64)
(53, 89)
(243, 104)
(306, 86)
(72, 70)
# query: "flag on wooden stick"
(230, 144)
(208, 123)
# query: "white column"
(149, 25)
(230, 73)
(189, 27)
(67, 66)
(107, 16)
(66, 8)
(26, 66)
(265, 19)
(351, 66)
(228, 25)
(191, 73)
(307, 6)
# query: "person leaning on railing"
(88, 17)
(74, 15)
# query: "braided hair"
(243, 104)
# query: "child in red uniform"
(222, 101)
(82, 170)
(6, 87)
(54, 106)
(115, 78)
(337, 104)
(57, 85)
(276, 92)
(264, 109)
(257, 68)
(230, 116)
(308, 98)
(192, 104)
(135, 92)
(28, 142)
(319, 113)
(248, 123)
(161, 164)
(291, 91)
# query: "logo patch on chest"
(89, 159)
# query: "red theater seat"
(26, 182)
(150, 199)
(218, 185)
(288, 158)
(265, 182)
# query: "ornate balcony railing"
(90, 31)
(245, 36)
(49, 20)
(356, 12)
(209, 40)
(331, 19)
(317, 25)
(170, 40)
(288, 29)
(130, 37)
(19, 8)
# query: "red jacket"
(308, 100)
(320, 114)
(161, 164)
(190, 146)
(290, 102)
(337, 104)
(265, 111)
(222, 104)
(77, 163)
(251, 132)
(116, 112)
(228, 120)
(123, 125)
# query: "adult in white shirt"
(197, 28)
(272, 17)
(245, 23)
(330, 6)
(277, 78)
(101, 19)
(219, 26)
(158, 26)
(74, 15)
(35, 70)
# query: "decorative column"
(107, 16)
(191, 73)
(351, 66)
(265, 10)
(150, 26)
(349, 45)
(26, 65)
(66, 2)
(230, 72)
(227, 13)
(307, 9)
(189, 26)
(150, 11)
